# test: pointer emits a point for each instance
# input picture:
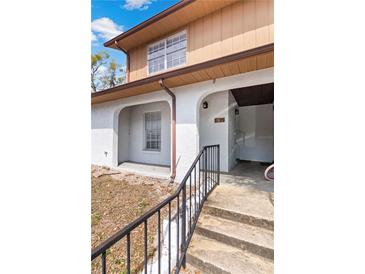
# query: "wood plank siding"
(240, 26)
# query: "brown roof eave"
(188, 69)
(149, 21)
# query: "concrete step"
(190, 270)
(241, 204)
(254, 239)
(213, 257)
(238, 217)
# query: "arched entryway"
(144, 136)
(241, 121)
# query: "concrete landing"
(156, 171)
(248, 174)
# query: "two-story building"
(198, 73)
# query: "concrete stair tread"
(242, 200)
(211, 256)
(243, 232)
(190, 270)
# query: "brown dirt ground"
(117, 199)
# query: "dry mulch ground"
(117, 199)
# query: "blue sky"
(112, 17)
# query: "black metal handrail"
(208, 165)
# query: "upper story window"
(167, 53)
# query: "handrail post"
(219, 168)
(183, 224)
(205, 173)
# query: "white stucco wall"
(188, 100)
(211, 133)
(220, 105)
(257, 133)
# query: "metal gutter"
(127, 63)
(173, 127)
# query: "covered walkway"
(249, 174)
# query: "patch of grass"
(142, 204)
(95, 218)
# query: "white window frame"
(145, 149)
(165, 53)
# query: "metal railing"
(200, 180)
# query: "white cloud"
(93, 37)
(105, 28)
(137, 4)
(94, 40)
